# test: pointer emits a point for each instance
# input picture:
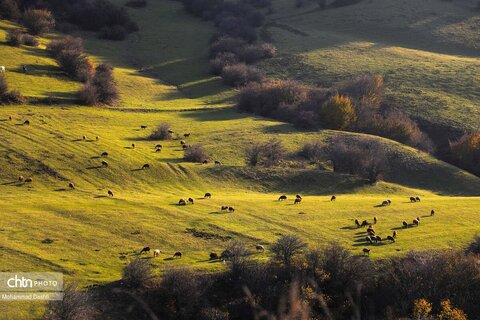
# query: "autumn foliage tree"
(38, 21)
(466, 151)
(338, 113)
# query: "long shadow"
(60, 190)
(99, 197)
(10, 183)
(218, 212)
(95, 167)
(139, 169)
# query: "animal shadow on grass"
(60, 189)
(349, 228)
(138, 169)
(77, 140)
(128, 148)
(98, 197)
(218, 212)
(399, 228)
(94, 167)
(168, 259)
(95, 157)
(10, 183)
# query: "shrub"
(162, 132)
(115, 32)
(252, 53)
(421, 309)
(67, 44)
(14, 37)
(221, 61)
(195, 153)
(344, 3)
(240, 74)
(474, 246)
(286, 247)
(101, 88)
(9, 97)
(449, 312)
(76, 304)
(3, 85)
(38, 21)
(136, 3)
(88, 95)
(30, 40)
(137, 274)
(226, 44)
(9, 10)
(366, 90)
(338, 113)
(313, 151)
(268, 154)
(77, 65)
(253, 154)
(466, 151)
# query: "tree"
(38, 21)
(286, 247)
(338, 113)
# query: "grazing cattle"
(298, 196)
(371, 233)
(259, 247)
(146, 166)
(26, 123)
(97, 138)
(405, 224)
(84, 138)
(21, 178)
(158, 146)
(394, 234)
(104, 154)
(145, 250)
(370, 229)
(158, 150)
(218, 162)
(110, 193)
(29, 180)
(378, 239)
(213, 256)
(282, 197)
(297, 201)
(386, 203)
(333, 198)
(205, 162)
(364, 223)
(412, 199)
(105, 164)
(390, 238)
(182, 202)
(156, 253)
(357, 223)
(416, 222)
(2, 69)
(177, 254)
(375, 220)
(71, 185)
(369, 239)
(207, 195)
(432, 213)
(224, 208)
(190, 200)
(182, 142)
(133, 145)
(417, 199)
(186, 135)
(231, 209)
(366, 252)
(143, 127)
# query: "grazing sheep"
(182, 202)
(2, 69)
(231, 209)
(104, 154)
(171, 131)
(378, 239)
(385, 203)
(357, 223)
(416, 222)
(366, 252)
(297, 201)
(389, 202)
(205, 162)
(375, 220)
(190, 200)
(156, 253)
(10, 118)
(371, 233)
(97, 138)
(185, 146)
(177, 254)
(186, 135)
(158, 150)
(182, 142)
(370, 229)
(432, 213)
(71, 185)
(213, 256)
(392, 239)
(110, 193)
(133, 145)
(26, 123)
(105, 164)
(29, 180)
(158, 146)
(282, 197)
(207, 195)
(369, 239)
(412, 199)
(21, 179)
(405, 224)
(143, 127)
(394, 234)
(145, 250)
(146, 166)
(333, 198)
(298, 196)
(417, 199)
(224, 208)
(84, 138)
(218, 163)
(364, 223)
(259, 247)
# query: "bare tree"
(287, 247)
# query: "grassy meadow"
(162, 73)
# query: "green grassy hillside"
(162, 74)
(427, 51)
